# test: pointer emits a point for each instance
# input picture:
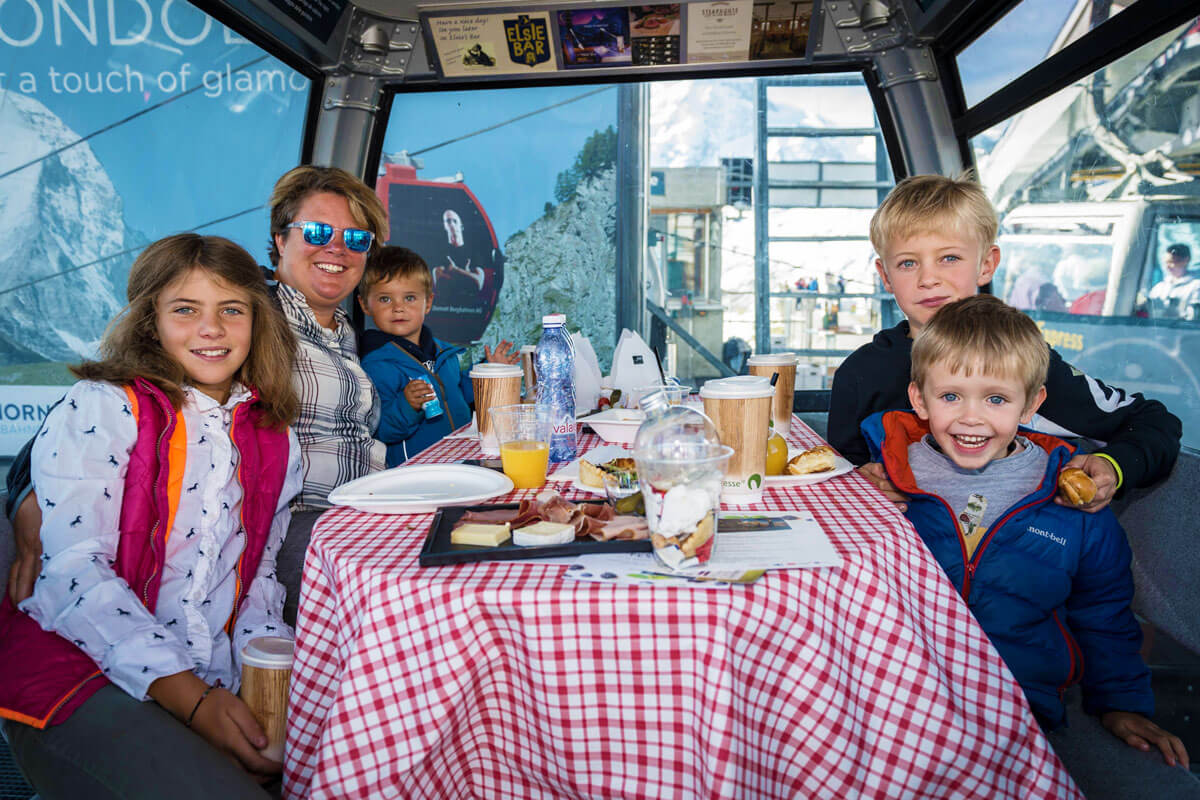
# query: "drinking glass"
(523, 432)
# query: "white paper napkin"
(587, 374)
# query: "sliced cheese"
(480, 535)
(543, 533)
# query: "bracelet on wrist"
(196, 707)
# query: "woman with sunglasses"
(323, 223)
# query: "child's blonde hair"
(924, 203)
(982, 333)
(131, 347)
(392, 262)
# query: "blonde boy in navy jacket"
(1050, 585)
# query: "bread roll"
(1076, 486)
(816, 459)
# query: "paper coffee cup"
(529, 371)
(266, 672)
(767, 365)
(495, 385)
(740, 407)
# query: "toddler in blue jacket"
(1050, 585)
(407, 364)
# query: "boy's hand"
(27, 527)
(417, 393)
(1138, 731)
(503, 354)
(1100, 471)
(875, 474)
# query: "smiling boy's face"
(398, 307)
(973, 418)
(925, 271)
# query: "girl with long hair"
(164, 479)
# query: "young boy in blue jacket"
(1050, 585)
(407, 364)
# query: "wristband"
(196, 707)
(1115, 465)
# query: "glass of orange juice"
(524, 435)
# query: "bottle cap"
(269, 652)
(554, 319)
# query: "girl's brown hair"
(131, 347)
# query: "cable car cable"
(506, 122)
(119, 122)
(127, 251)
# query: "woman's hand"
(1140, 732)
(1099, 470)
(222, 719)
(418, 393)
(27, 533)
(503, 354)
(876, 475)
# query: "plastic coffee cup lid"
(554, 319)
(269, 652)
(772, 360)
(529, 348)
(489, 370)
(739, 387)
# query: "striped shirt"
(339, 407)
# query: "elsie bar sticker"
(493, 44)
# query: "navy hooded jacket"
(391, 367)
(1049, 585)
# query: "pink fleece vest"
(43, 677)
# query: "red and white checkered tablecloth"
(504, 680)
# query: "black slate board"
(439, 551)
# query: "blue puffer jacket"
(1050, 585)
(402, 428)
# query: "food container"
(681, 463)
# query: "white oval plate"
(841, 467)
(420, 489)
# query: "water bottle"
(555, 362)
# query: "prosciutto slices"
(596, 520)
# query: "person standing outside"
(1177, 295)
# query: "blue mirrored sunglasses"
(318, 234)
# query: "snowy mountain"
(62, 212)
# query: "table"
(503, 680)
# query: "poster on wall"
(655, 31)
(719, 31)
(446, 225)
(595, 37)
(780, 29)
(493, 44)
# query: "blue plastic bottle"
(555, 361)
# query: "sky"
(1015, 44)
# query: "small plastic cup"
(675, 392)
(623, 491)
(523, 432)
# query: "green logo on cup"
(754, 481)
